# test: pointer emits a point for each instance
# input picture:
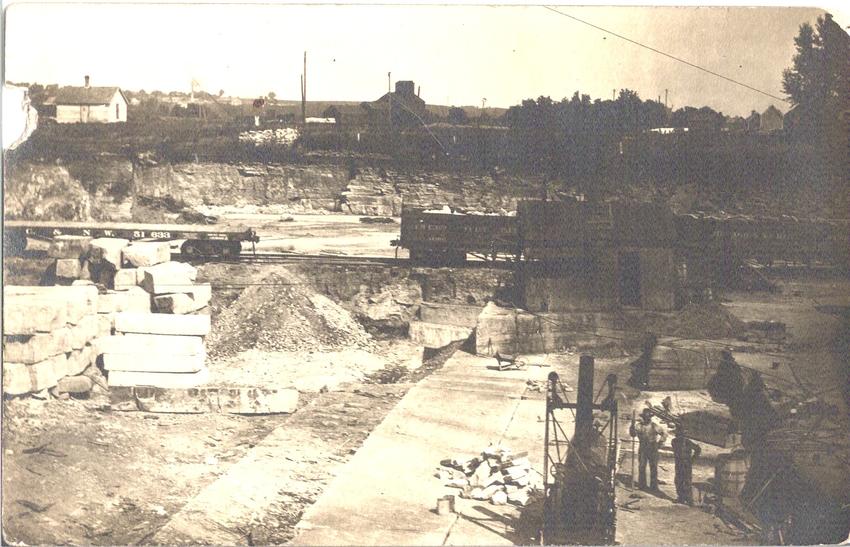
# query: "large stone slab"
(37, 347)
(147, 253)
(233, 400)
(153, 362)
(433, 335)
(123, 378)
(19, 378)
(69, 247)
(449, 314)
(169, 277)
(156, 323)
(151, 344)
(108, 250)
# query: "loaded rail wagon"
(446, 237)
(200, 240)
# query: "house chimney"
(87, 81)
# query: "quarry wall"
(110, 187)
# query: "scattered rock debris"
(497, 475)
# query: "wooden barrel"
(730, 473)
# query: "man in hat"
(651, 437)
(685, 451)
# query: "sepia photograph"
(438, 274)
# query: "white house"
(88, 104)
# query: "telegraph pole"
(304, 92)
(389, 101)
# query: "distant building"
(754, 122)
(402, 106)
(87, 104)
(735, 124)
(770, 120)
(347, 114)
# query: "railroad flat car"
(201, 241)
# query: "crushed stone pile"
(496, 475)
(285, 136)
(284, 313)
(705, 320)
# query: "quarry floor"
(76, 472)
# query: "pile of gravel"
(284, 313)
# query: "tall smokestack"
(87, 81)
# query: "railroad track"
(347, 260)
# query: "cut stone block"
(26, 314)
(258, 400)
(79, 300)
(82, 282)
(153, 362)
(433, 335)
(138, 300)
(112, 302)
(151, 344)
(69, 247)
(201, 294)
(169, 277)
(105, 324)
(152, 323)
(236, 400)
(120, 378)
(38, 347)
(181, 303)
(127, 278)
(178, 303)
(68, 268)
(147, 253)
(19, 378)
(84, 331)
(77, 385)
(108, 250)
(79, 359)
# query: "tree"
(819, 78)
(221, 93)
(272, 95)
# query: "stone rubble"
(497, 475)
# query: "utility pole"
(304, 92)
(665, 97)
(389, 101)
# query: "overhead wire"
(675, 58)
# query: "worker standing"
(685, 451)
(651, 437)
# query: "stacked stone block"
(156, 350)
(48, 335)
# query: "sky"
(457, 54)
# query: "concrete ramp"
(386, 494)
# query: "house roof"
(83, 95)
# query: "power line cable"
(679, 59)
